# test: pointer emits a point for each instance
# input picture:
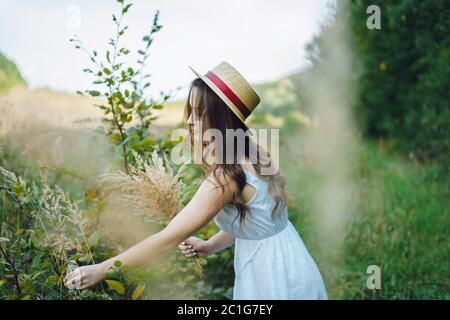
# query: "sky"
(263, 39)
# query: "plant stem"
(119, 126)
(16, 273)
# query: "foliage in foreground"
(46, 231)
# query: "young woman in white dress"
(271, 260)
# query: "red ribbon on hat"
(228, 93)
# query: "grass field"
(400, 223)
(398, 217)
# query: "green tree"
(9, 74)
(404, 92)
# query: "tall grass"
(400, 223)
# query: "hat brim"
(224, 98)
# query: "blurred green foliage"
(44, 227)
(400, 223)
(9, 74)
(404, 91)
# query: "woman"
(271, 261)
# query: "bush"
(404, 90)
(9, 74)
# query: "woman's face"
(194, 121)
(194, 117)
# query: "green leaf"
(118, 264)
(108, 57)
(124, 51)
(94, 93)
(86, 259)
(53, 278)
(113, 275)
(18, 189)
(116, 286)
(36, 261)
(107, 71)
(138, 291)
(148, 142)
(116, 138)
(124, 77)
(125, 9)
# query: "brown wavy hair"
(214, 113)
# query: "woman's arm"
(194, 246)
(220, 241)
(205, 204)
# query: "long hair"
(215, 114)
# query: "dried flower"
(152, 189)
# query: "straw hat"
(232, 88)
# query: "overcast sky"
(263, 39)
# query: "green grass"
(400, 223)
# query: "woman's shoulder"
(221, 178)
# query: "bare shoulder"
(220, 178)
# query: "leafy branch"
(125, 87)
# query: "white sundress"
(271, 261)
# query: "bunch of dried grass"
(152, 190)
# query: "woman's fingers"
(189, 251)
(184, 247)
(74, 283)
(85, 286)
(74, 279)
(72, 275)
(190, 255)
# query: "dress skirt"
(277, 267)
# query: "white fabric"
(270, 260)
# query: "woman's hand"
(194, 246)
(85, 277)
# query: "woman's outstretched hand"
(194, 247)
(85, 277)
